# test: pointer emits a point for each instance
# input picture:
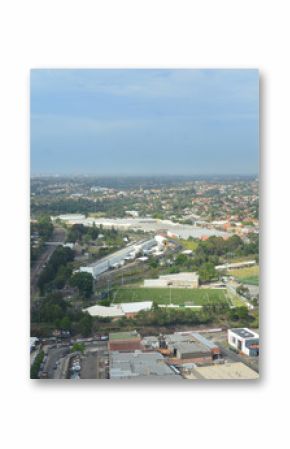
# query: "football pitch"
(180, 296)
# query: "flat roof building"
(223, 371)
(138, 364)
(188, 350)
(191, 345)
(244, 340)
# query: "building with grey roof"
(191, 345)
(137, 363)
(188, 350)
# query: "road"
(58, 236)
(53, 356)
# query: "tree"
(85, 325)
(45, 227)
(181, 259)
(84, 282)
(65, 323)
(207, 272)
(78, 347)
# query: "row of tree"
(59, 272)
(216, 313)
(58, 269)
(44, 229)
(54, 311)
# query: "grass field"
(179, 296)
(248, 275)
(188, 244)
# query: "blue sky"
(144, 122)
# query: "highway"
(57, 238)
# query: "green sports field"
(248, 275)
(179, 296)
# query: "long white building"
(118, 258)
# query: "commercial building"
(176, 280)
(137, 363)
(124, 341)
(244, 340)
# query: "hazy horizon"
(144, 175)
(130, 122)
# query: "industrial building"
(70, 218)
(188, 350)
(105, 312)
(131, 308)
(118, 258)
(244, 341)
(145, 224)
(189, 345)
(176, 280)
(137, 363)
(124, 341)
(128, 309)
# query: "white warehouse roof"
(103, 311)
(135, 307)
(118, 310)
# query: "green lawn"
(247, 275)
(162, 295)
(188, 244)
